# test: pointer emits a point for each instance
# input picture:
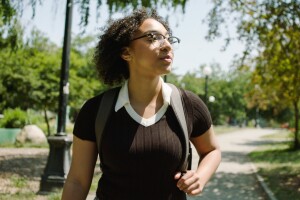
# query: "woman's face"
(151, 55)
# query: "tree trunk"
(47, 121)
(296, 141)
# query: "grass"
(279, 165)
(225, 129)
(18, 182)
(30, 196)
(26, 188)
(26, 145)
(23, 190)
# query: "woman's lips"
(167, 59)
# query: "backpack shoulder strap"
(104, 111)
(176, 103)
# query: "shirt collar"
(123, 97)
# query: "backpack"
(106, 107)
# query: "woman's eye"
(158, 37)
(154, 37)
(151, 37)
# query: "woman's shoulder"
(85, 120)
(197, 111)
(191, 97)
(91, 105)
(93, 100)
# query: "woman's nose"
(165, 44)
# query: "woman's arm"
(208, 149)
(81, 172)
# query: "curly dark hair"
(112, 69)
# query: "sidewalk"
(235, 177)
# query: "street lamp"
(59, 158)
(258, 89)
(211, 99)
(207, 72)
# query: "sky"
(194, 50)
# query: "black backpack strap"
(176, 103)
(104, 111)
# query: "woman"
(141, 147)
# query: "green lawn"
(225, 129)
(279, 166)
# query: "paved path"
(235, 178)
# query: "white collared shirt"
(123, 100)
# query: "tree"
(29, 76)
(8, 25)
(190, 81)
(82, 72)
(228, 89)
(11, 10)
(270, 29)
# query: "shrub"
(13, 118)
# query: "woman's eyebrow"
(154, 31)
(151, 31)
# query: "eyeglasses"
(159, 39)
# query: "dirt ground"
(21, 170)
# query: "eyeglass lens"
(162, 39)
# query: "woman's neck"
(144, 90)
(145, 95)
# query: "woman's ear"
(126, 54)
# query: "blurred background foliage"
(262, 88)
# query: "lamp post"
(258, 89)
(207, 72)
(58, 163)
(211, 100)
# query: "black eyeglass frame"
(151, 35)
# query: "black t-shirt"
(140, 162)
